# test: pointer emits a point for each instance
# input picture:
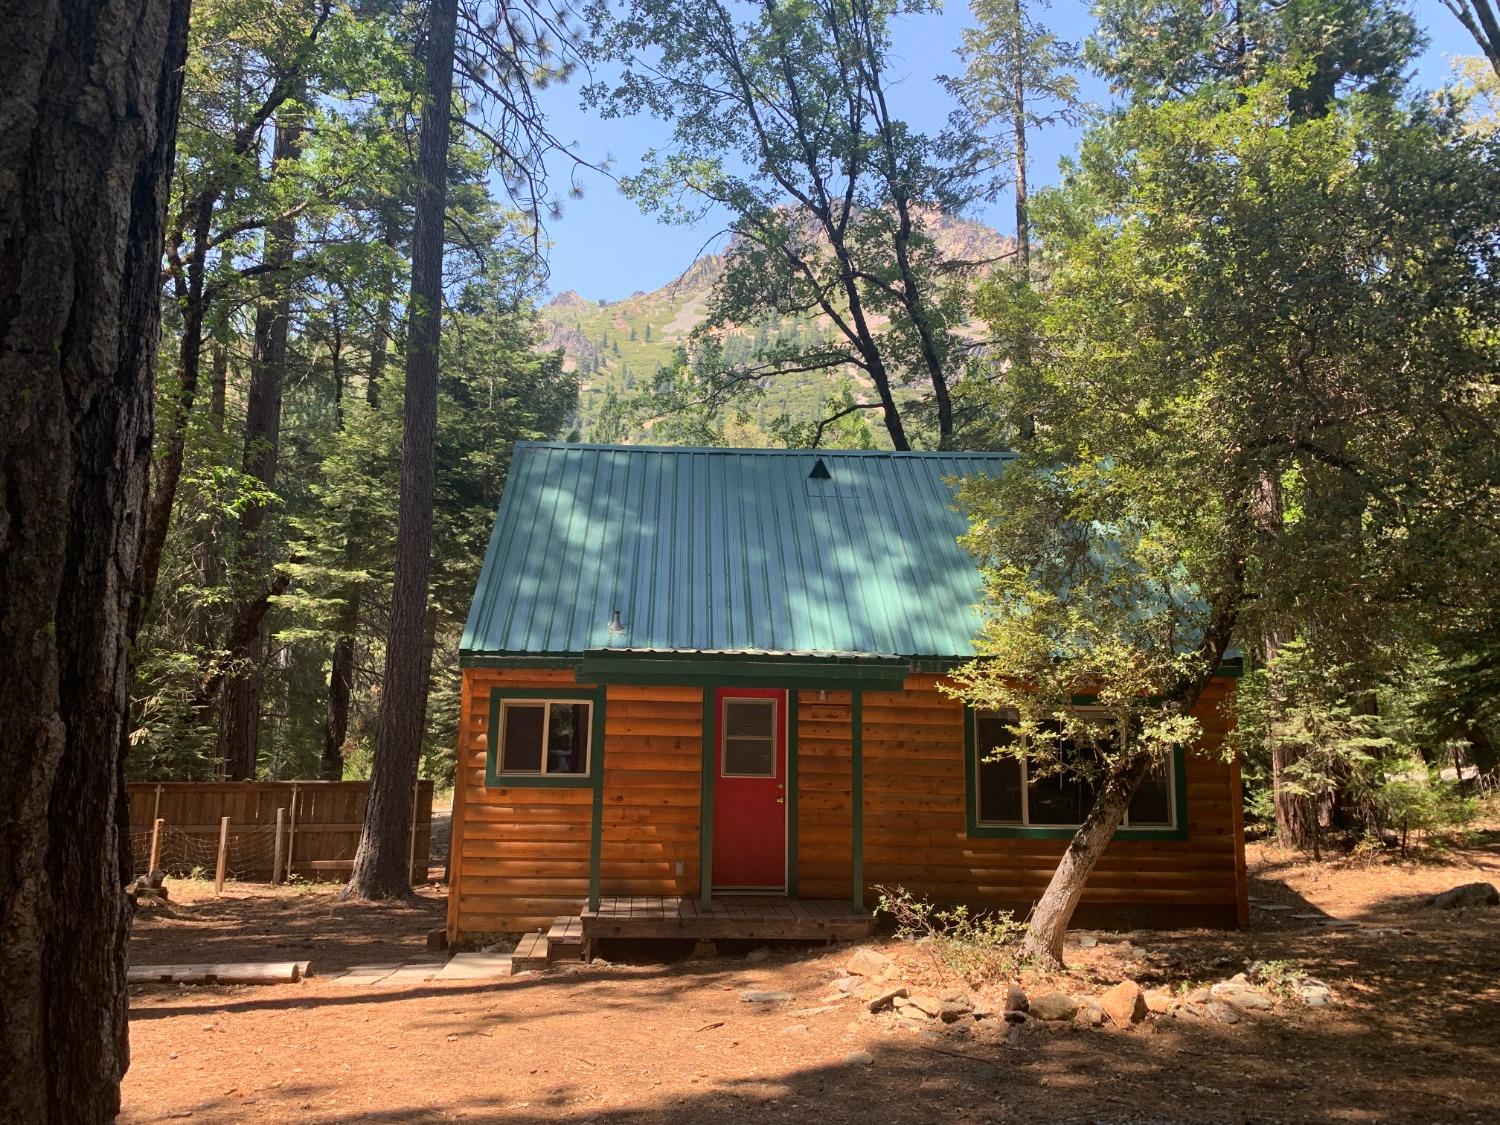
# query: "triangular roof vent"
(819, 471)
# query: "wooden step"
(565, 940)
(531, 953)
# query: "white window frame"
(546, 705)
(776, 718)
(1025, 822)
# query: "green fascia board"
(978, 831)
(708, 671)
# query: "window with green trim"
(1008, 796)
(544, 736)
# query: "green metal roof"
(728, 551)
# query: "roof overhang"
(735, 669)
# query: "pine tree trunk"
(91, 91)
(341, 674)
(1018, 114)
(380, 868)
(239, 716)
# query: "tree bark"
(1054, 910)
(380, 867)
(1018, 111)
(341, 673)
(91, 90)
(239, 715)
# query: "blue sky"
(603, 247)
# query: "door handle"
(781, 800)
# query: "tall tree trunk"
(380, 868)
(206, 560)
(239, 715)
(341, 673)
(1018, 115)
(91, 90)
(1296, 819)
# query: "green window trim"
(495, 779)
(981, 831)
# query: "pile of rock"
(873, 979)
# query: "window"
(749, 738)
(1007, 796)
(544, 736)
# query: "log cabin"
(702, 697)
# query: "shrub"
(979, 947)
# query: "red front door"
(750, 789)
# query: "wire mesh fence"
(318, 822)
(250, 854)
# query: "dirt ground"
(1414, 1034)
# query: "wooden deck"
(730, 917)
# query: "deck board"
(729, 917)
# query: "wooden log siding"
(825, 813)
(521, 856)
(916, 831)
(652, 768)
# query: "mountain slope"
(618, 346)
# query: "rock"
(1190, 1011)
(1159, 1002)
(1313, 993)
(1199, 996)
(1242, 994)
(1013, 1016)
(868, 990)
(847, 984)
(1015, 999)
(868, 963)
(952, 1011)
(755, 996)
(1470, 894)
(924, 1003)
(1124, 1004)
(983, 1011)
(755, 956)
(911, 1025)
(1054, 1006)
(1223, 1011)
(859, 1058)
(886, 998)
(955, 995)
(1090, 1014)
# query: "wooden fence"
(320, 826)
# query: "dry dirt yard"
(1413, 1033)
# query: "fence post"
(291, 832)
(223, 855)
(411, 843)
(155, 845)
(276, 862)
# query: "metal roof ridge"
(894, 453)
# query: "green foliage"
(1019, 77)
(779, 115)
(1254, 387)
(978, 947)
